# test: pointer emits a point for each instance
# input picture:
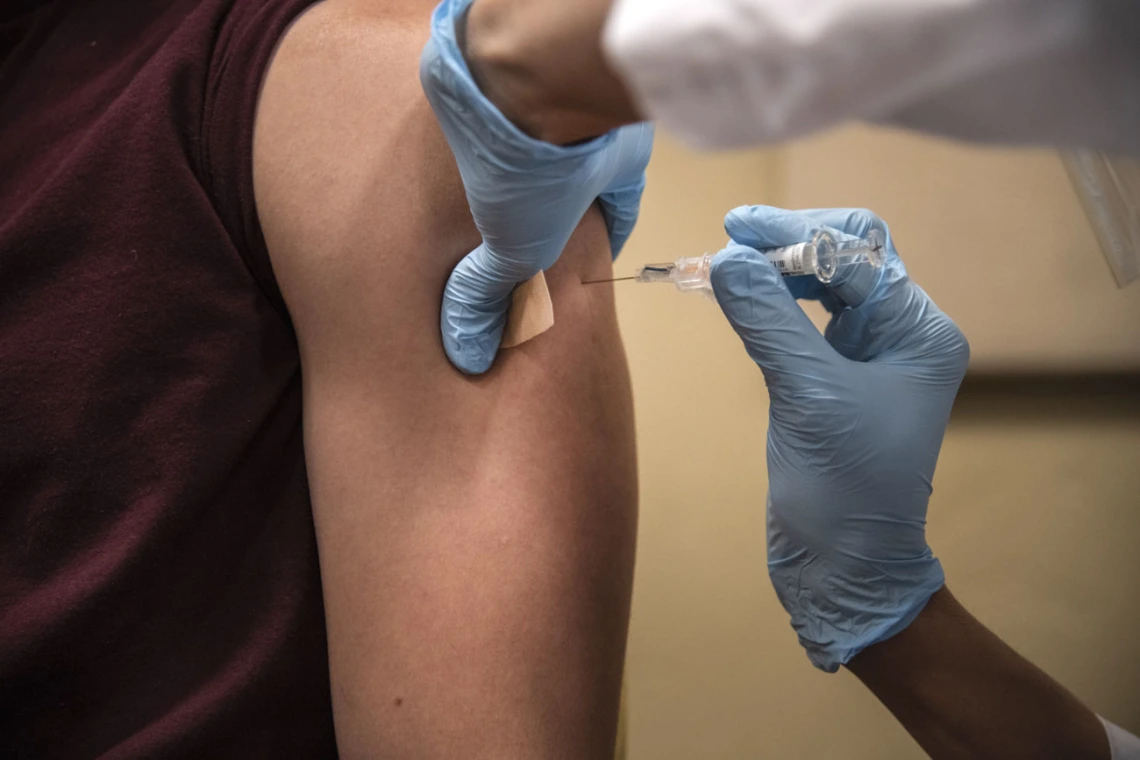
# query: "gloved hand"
(526, 196)
(856, 420)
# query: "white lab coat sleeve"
(730, 73)
(1124, 745)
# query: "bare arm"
(476, 535)
(961, 692)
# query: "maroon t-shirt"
(159, 589)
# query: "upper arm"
(475, 534)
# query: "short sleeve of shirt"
(246, 40)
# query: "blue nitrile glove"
(526, 196)
(856, 421)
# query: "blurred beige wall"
(1036, 511)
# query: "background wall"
(1036, 511)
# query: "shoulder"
(358, 195)
(355, 187)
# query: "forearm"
(962, 692)
(541, 63)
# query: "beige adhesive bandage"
(531, 313)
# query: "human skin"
(961, 692)
(476, 535)
(541, 63)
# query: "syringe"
(822, 256)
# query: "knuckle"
(866, 219)
(961, 347)
(953, 344)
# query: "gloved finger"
(776, 332)
(850, 221)
(623, 165)
(764, 227)
(883, 307)
(902, 324)
(856, 284)
(899, 322)
(474, 309)
(850, 331)
(858, 223)
(768, 227)
(620, 208)
(807, 287)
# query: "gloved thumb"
(776, 332)
(474, 310)
(620, 208)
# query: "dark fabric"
(159, 589)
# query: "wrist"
(962, 692)
(497, 62)
(838, 612)
(540, 63)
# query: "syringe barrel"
(823, 256)
(802, 258)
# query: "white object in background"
(1109, 189)
(1124, 745)
(726, 73)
